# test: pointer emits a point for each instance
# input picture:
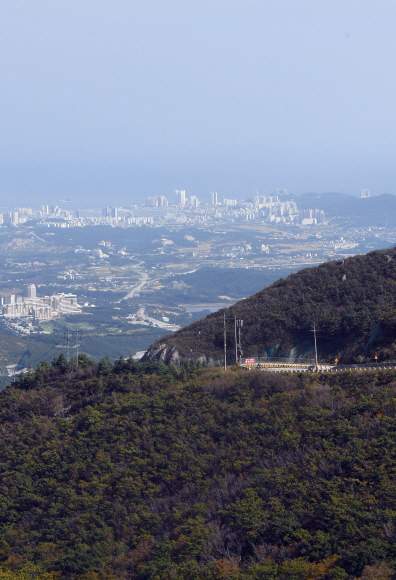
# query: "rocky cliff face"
(170, 354)
(165, 352)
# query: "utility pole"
(316, 350)
(67, 342)
(225, 344)
(77, 346)
(236, 343)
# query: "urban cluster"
(43, 308)
(21, 215)
(185, 209)
(270, 208)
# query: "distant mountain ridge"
(351, 301)
(373, 211)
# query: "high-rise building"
(65, 303)
(105, 211)
(193, 201)
(157, 201)
(152, 201)
(365, 193)
(213, 197)
(9, 299)
(31, 291)
(114, 212)
(180, 197)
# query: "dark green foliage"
(347, 299)
(146, 472)
(84, 360)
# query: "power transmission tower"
(238, 348)
(239, 353)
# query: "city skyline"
(128, 100)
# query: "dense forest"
(351, 301)
(145, 472)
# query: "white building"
(43, 312)
(43, 308)
(181, 197)
(231, 202)
(65, 303)
(156, 201)
(193, 201)
(31, 291)
(15, 309)
(213, 197)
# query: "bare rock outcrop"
(165, 352)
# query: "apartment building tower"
(31, 291)
(181, 197)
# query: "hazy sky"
(109, 101)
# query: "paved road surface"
(299, 368)
(137, 287)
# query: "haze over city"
(111, 102)
(197, 290)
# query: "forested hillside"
(351, 301)
(147, 472)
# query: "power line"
(59, 347)
(42, 358)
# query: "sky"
(111, 101)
